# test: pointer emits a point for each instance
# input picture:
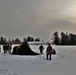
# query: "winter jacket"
(49, 50)
(41, 47)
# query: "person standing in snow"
(49, 51)
(41, 48)
(0, 48)
(5, 48)
(9, 47)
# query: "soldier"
(0, 48)
(5, 48)
(41, 49)
(49, 51)
(9, 46)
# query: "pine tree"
(56, 38)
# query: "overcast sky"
(38, 18)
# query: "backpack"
(53, 51)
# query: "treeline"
(17, 40)
(64, 38)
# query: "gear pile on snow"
(53, 51)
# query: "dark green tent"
(24, 49)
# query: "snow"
(63, 63)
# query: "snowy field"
(63, 63)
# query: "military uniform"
(41, 49)
(49, 52)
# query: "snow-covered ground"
(63, 63)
